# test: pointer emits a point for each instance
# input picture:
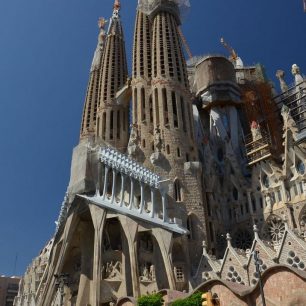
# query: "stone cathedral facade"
(183, 170)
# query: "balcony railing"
(259, 148)
(295, 99)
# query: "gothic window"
(178, 150)
(300, 167)
(191, 224)
(242, 240)
(178, 192)
(187, 157)
(168, 149)
(265, 181)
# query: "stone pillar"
(164, 202)
(153, 203)
(142, 198)
(105, 181)
(164, 240)
(131, 194)
(122, 188)
(129, 226)
(87, 244)
(113, 186)
(98, 216)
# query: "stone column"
(87, 244)
(142, 197)
(105, 181)
(98, 217)
(153, 202)
(122, 188)
(164, 202)
(129, 226)
(131, 194)
(113, 186)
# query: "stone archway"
(116, 268)
(151, 267)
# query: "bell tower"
(112, 122)
(89, 119)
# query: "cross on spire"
(117, 5)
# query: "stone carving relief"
(147, 272)
(255, 130)
(112, 271)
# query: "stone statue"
(134, 140)
(152, 272)
(269, 202)
(157, 140)
(255, 130)
(147, 275)
(280, 74)
(112, 271)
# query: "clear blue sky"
(46, 47)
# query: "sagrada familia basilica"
(184, 170)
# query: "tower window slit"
(175, 121)
(103, 125)
(118, 124)
(183, 114)
(111, 135)
(135, 105)
(165, 106)
(156, 106)
(143, 105)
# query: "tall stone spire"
(172, 107)
(88, 126)
(141, 147)
(162, 91)
(112, 125)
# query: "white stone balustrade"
(120, 180)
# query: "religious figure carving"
(112, 271)
(147, 272)
(157, 140)
(134, 140)
(255, 130)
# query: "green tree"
(150, 300)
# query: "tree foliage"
(150, 300)
(193, 300)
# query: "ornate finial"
(102, 22)
(297, 75)
(117, 5)
(229, 239)
(255, 229)
(204, 245)
(280, 74)
(295, 69)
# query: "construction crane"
(184, 41)
(234, 55)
